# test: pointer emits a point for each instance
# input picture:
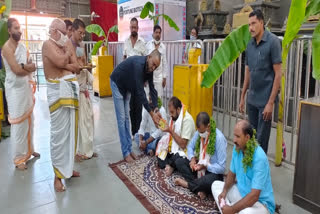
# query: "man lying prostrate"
(253, 192)
(172, 147)
(207, 152)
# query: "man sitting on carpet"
(148, 134)
(173, 145)
(207, 152)
(250, 166)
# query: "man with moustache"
(60, 67)
(172, 147)
(19, 95)
(160, 74)
(134, 46)
(248, 187)
(262, 76)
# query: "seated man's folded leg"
(151, 147)
(204, 183)
(216, 189)
(182, 166)
(256, 208)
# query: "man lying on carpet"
(172, 147)
(148, 134)
(207, 152)
(250, 166)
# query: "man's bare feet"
(202, 195)
(36, 154)
(181, 182)
(22, 166)
(78, 158)
(58, 186)
(133, 156)
(151, 153)
(75, 174)
(168, 170)
(128, 159)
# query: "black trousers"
(195, 184)
(181, 164)
(135, 114)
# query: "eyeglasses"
(81, 33)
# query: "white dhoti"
(63, 95)
(233, 196)
(86, 124)
(20, 99)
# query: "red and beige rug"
(156, 192)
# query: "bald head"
(246, 128)
(155, 53)
(153, 61)
(58, 24)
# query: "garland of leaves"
(212, 140)
(248, 154)
(159, 102)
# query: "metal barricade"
(227, 90)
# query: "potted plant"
(103, 62)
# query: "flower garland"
(212, 140)
(250, 149)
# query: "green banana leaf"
(295, 20)
(148, 7)
(230, 49)
(170, 22)
(4, 36)
(313, 8)
(96, 29)
(315, 53)
(96, 47)
(8, 4)
(113, 29)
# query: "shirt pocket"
(263, 59)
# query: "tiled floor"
(98, 190)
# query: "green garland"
(212, 140)
(248, 154)
(159, 102)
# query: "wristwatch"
(22, 65)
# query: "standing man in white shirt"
(160, 74)
(134, 46)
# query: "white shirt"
(147, 124)
(139, 48)
(162, 71)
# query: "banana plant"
(5, 10)
(148, 11)
(229, 51)
(97, 29)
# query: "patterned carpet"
(156, 192)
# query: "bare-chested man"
(60, 66)
(19, 95)
(85, 78)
